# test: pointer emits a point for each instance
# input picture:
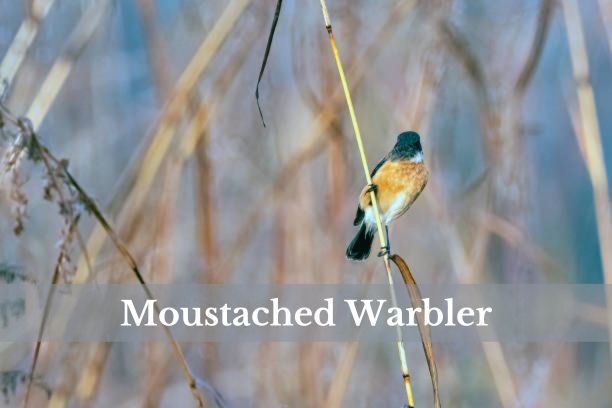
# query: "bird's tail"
(359, 248)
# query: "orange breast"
(392, 179)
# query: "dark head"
(408, 146)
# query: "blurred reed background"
(152, 104)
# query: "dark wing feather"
(360, 213)
(378, 166)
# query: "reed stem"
(379, 226)
(590, 141)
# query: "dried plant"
(11, 380)
(159, 100)
(160, 140)
(19, 199)
(71, 198)
(12, 273)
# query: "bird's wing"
(360, 213)
(378, 166)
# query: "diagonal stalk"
(164, 131)
(63, 65)
(379, 227)
(14, 57)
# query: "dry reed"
(589, 138)
(188, 145)
(17, 51)
(165, 129)
(60, 179)
(502, 137)
(57, 76)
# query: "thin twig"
(279, 4)
(543, 22)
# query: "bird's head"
(408, 146)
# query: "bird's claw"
(372, 188)
(386, 250)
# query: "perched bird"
(397, 180)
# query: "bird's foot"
(372, 188)
(385, 250)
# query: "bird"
(397, 181)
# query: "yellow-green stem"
(379, 226)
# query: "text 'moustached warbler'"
(397, 180)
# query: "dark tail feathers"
(359, 248)
(359, 216)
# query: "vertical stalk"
(589, 137)
(379, 227)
